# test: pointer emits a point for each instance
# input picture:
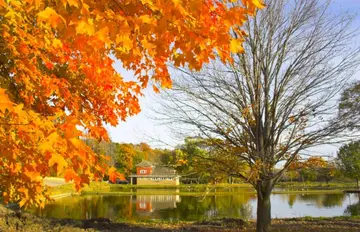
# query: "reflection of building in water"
(151, 203)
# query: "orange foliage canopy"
(311, 162)
(58, 79)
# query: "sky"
(141, 128)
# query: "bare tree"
(278, 98)
(349, 106)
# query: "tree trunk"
(357, 183)
(263, 219)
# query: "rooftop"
(157, 171)
(161, 170)
(144, 163)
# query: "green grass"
(201, 189)
(317, 185)
(309, 191)
(208, 193)
(183, 186)
(66, 188)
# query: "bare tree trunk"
(263, 207)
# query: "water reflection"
(353, 209)
(174, 207)
(151, 203)
(323, 200)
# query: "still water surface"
(175, 207)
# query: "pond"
(190, 208)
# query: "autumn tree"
(168, 157)
(277, 99)
(349, 160)
(309, 168)
(106, 148)
(124, 157)
(328, 172)
(314, 168)
(58, 79)
(204, 159)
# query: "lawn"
(200, 189)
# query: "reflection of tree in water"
(354, 209)
(120, 207)
(292, 199)
(87, 207)
(190, 208)
(315, 199)
(321, 200)
(332, 200)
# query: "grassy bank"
(200, 190)
(316, 185)
(334, 191)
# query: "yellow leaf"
(10, 14)
(126, 42)
(145, 18)
(147, 45)
(258, 3)
(76, 142)
(85, 28)
(103, 34)
(51, 140)
(22, 202)
(5, 102)
(57, 43)
(50, 16)
(236, 46)
(59, 160)
(176, 2)
(73, 3)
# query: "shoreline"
(89, 193)
(103, 188)
(113, 193)
(23, 221)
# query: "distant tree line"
(124, 156)
(200, 160)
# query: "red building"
(150, 174)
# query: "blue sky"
(140, 128)
(347, 4)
